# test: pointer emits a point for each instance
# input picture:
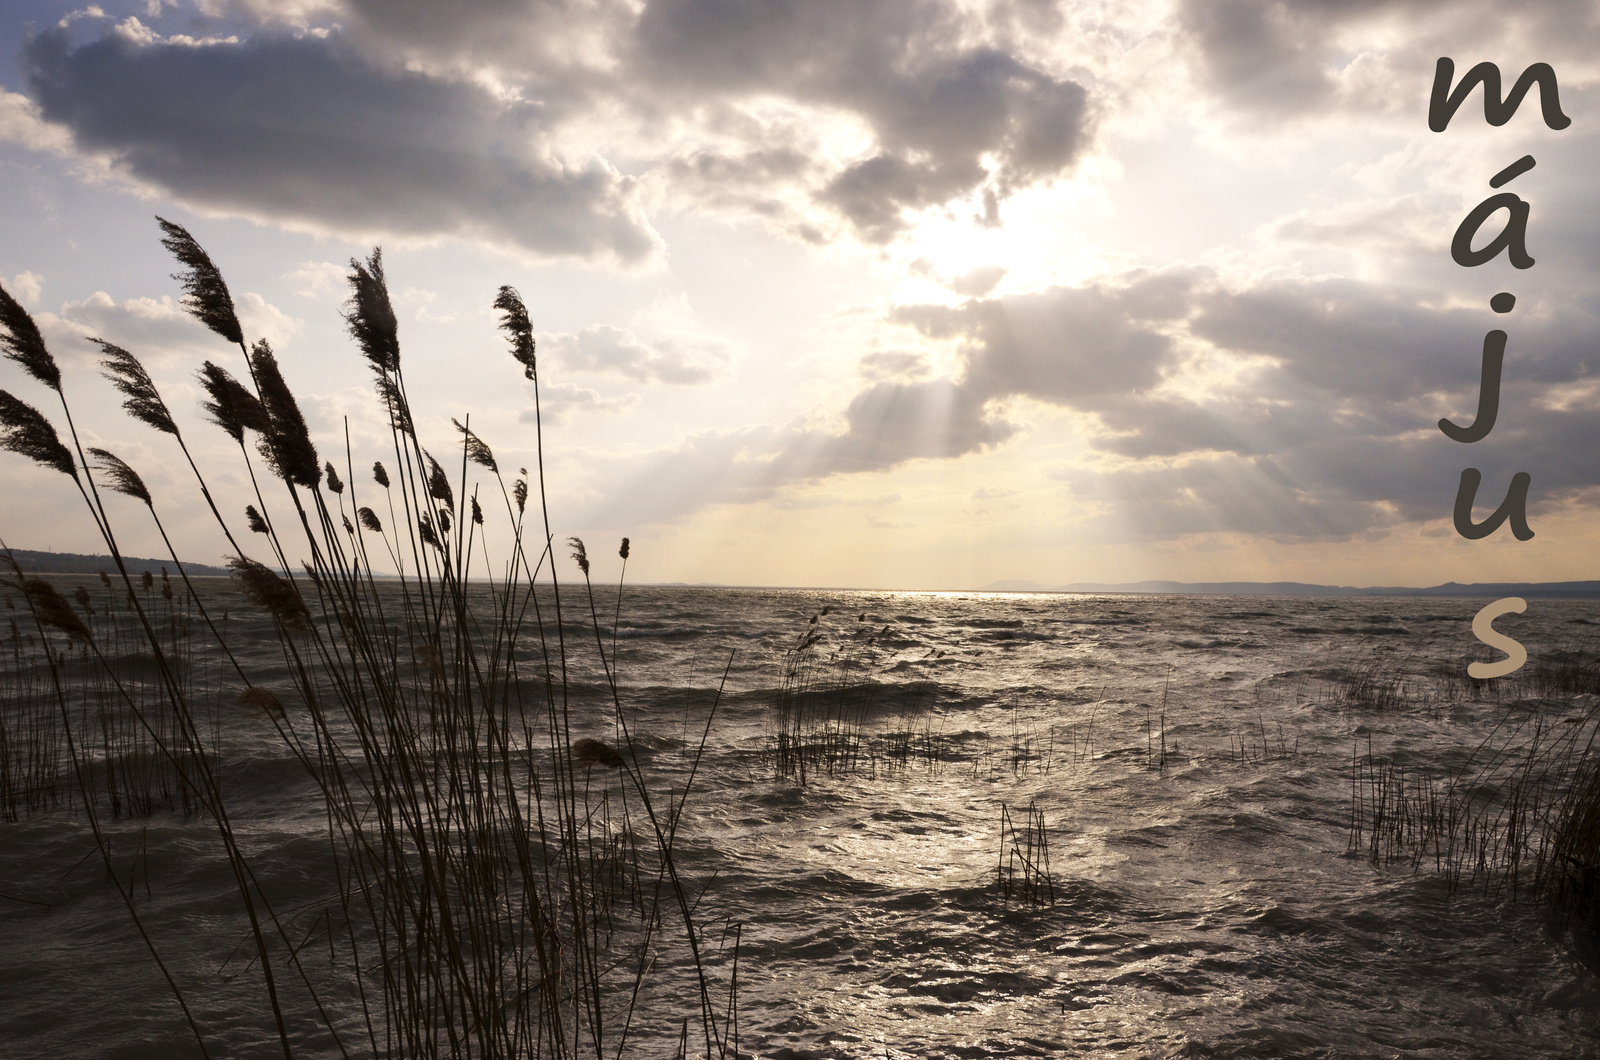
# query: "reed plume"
(51, 608)
(395, 404)
(263, 700)
(128, 376)
(589, 752)
(369, 520)
(519, 493)
(370, 317)
(519, 330)
(379, 475)
(333, 478)
(439, 483)
(268, 591)
(232, 407)
(20, 338)
(143, 402)
(25, 431)
(258, 525)
(120, 477)
(477, 449)
(287, 445)
(205, 294)
(580, 554)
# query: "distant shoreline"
(36, 562)
(1539, 590)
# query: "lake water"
(1187, 761)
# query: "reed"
(832, 716)
(499, 886)
(1023, 871)
(1522, 817)
(129, 776)
(1378, 683)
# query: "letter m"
(1445, 102)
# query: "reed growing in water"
(1521, 817)
(1023, 870)
(832, 717)
(499, 887)
(128, 775)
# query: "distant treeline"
(75, 563)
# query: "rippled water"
(1191, 759)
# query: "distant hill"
(1535, 590)
(76, 563)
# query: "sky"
(909, 294)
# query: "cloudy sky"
(893, 293)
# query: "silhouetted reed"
(1522, 816)
(232, 407)
(1378, 683)
(112, 704)
(25, 431)
(500, 887)
(1023, 871)
(832, 715)
(205, 294)
(20, 338)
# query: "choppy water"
(1205, 903)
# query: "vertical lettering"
(1494, 353)
(1444, 102)
(1483, 629)
(1514, 507)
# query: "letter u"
(1514, 507)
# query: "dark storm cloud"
(1267, 52)
(890, 423)
(873, 194)
(304, 129)
(481, 29)
(884, 365)
(936, 103)
(1227, 494)
(1283, 58)
(1379, 343)
(1068, 346)
(556, 43)
(1331, 433)
(1348, 337)
(375, 121)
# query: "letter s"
(1483, 629)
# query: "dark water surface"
(1191, 758)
